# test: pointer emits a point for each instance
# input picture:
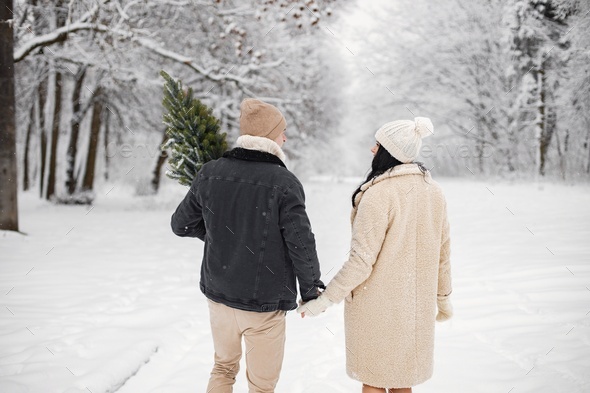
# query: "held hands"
(445, 309)
(314, 307)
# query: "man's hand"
(314, 307)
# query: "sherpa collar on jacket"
(253, 155)
(398, 170)
(261, 144)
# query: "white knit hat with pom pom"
(403, 138)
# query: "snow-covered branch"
(236, 11)
(189, 62)
(58, 35)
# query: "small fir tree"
(192, 131)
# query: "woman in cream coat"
(398, 270)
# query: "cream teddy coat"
(399, 262)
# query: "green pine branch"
(192, 130)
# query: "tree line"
(506, 81)
(86, 75)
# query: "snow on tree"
(244, 49)
(537, 27)
(499, 78)
(450, 67)
(572, 141)
(192, 131)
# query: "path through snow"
(106, 299)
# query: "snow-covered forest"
(506, 83)
(89, 92)
(97, 293)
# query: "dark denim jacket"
(250, 212)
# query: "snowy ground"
(106, 299)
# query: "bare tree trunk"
(513, 140)
(38, 25)
(54, 137)
(562, 153)
(60, 21)
(8, 177)
(480, 147)
(162, 157)
(550, 116)
(41, 99)
(77, 116)
(547, 119)
(31, 125)
(107, 118)
(541, 119)
(88, 181)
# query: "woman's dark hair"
(382, 162)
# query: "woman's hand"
(445, 308)
(314, 307)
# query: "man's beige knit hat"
(258, 118)
(403, 138)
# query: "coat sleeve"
(300, 242)
(444, 266)
(187, 220)
(368, 233)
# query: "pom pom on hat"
(424, 126)
(403, 138)
(257, 118)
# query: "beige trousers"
(264, 335)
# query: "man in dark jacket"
(250, 212)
